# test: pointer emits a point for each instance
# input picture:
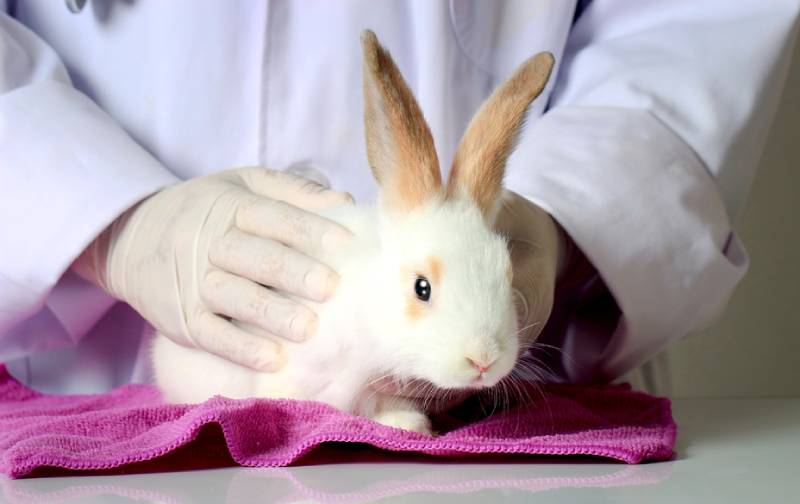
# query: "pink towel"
(130, 427)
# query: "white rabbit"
(425, 290)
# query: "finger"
(299, 229)
(242, 299)
(533, 292)
(309, 170)
(270, 263)
(219, 337)
(256, 330)
(298, 191)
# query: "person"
(120, 123)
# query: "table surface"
(729, 450)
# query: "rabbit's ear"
(399, 144)
(479, 163)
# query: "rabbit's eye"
(423, 288)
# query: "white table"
(729, 450)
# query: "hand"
(537, 246)
(196, 260)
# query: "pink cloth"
(130, 425)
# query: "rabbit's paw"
(404, 419)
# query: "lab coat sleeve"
(657, 120)
(66, 171)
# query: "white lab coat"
(656, 119)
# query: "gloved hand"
(538, 248)
(194, 259)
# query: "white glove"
(538, 248)
(194, 260)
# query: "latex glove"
(538, 248)
(194, 260)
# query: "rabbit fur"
(376, 328)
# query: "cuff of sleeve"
(647, 214)
(68, 171)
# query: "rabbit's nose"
(480, 364)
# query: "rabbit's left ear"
(400, 147)
(480, 161)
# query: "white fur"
(374, 326)
(364, 331)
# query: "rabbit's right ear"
(400, 147)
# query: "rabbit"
(425, 289)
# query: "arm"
(58, 151)
(657, 121)
(193, 258)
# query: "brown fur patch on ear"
(400, 147)
(479, 164)
(435, 268)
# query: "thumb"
(293, 189)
